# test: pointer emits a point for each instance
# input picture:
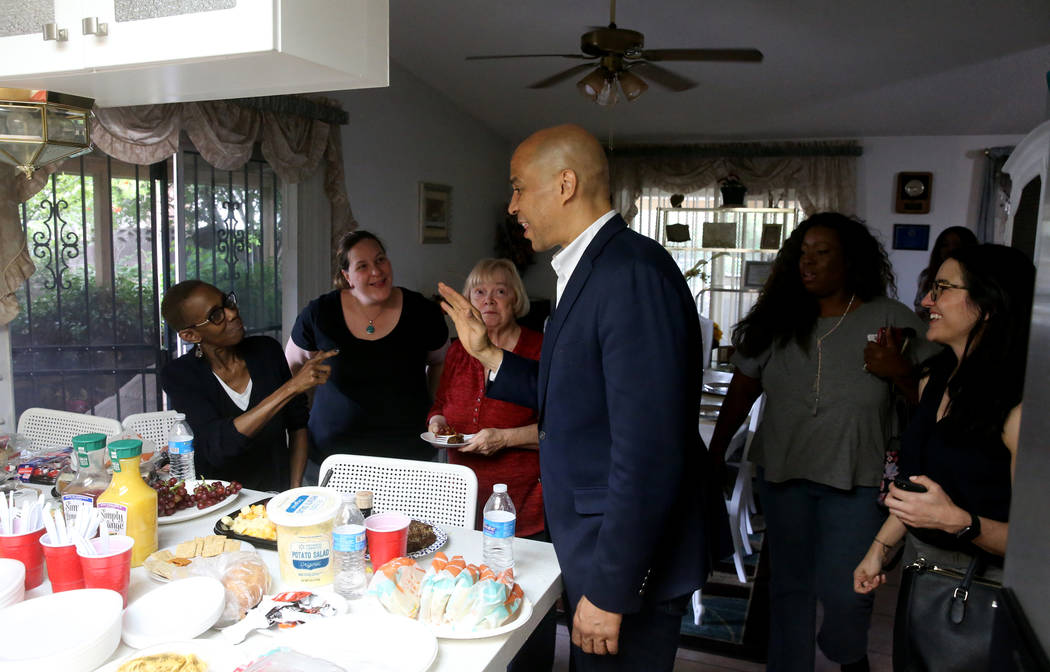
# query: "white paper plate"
(374, 642)
(217, 654)
(180, 610)
(72, 631)
(193, 511)
(435, 441)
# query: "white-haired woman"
(505, 442)
(505, 445)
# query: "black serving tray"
(257, 542)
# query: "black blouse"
(972, 468)
(376, 400)
(260, 462)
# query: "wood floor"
(880, 644)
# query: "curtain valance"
(224, 132)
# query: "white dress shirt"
(567, 258)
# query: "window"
(725, 240)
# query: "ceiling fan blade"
(732, 55)
(662, 76)
(561, 76)
(484, 58)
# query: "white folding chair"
(47, 428)
(151, 426)
(440, 493)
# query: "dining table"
(536, 571)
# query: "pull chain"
(820, 354)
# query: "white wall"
(408, 133)
(956, 162)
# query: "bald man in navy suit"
(617, 388)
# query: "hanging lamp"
(39, 127)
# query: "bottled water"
(348, 547)
(498, 530)
(180, 449)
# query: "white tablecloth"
(535, 565)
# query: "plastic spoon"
(49, 525)
(5, 516)
(103, 532)
(63, 531)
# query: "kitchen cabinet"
(182, 50)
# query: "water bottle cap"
(180, 416)
(499, 488)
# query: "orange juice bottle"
(128, 505)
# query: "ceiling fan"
(621, 56)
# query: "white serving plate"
(448, 632)
(245, 546)
(374, 642)
(217, 654)
(193, 511)
(179, 610)
(441, 443)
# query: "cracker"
(213, 545)
(187, 549)
(231, 545)
(180, 562)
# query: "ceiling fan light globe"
(608, 95)
(633, 85)
(591, 85)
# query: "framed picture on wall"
(435, 212)
(911, 237)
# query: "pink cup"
(26, 549)
(63, 565)
(111, 567)
(387, 535)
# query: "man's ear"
(567, 184)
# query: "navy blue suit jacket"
(621, 460)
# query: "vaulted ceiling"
(832, 68)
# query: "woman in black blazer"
(238, 395)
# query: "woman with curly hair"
(820, 447)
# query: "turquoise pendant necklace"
(371, 328)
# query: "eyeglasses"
(941, 285)
(218, 315)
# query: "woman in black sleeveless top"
(962, 443)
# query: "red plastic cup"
(26, 549)
(63, 565)
(387, 535)
(110, 568)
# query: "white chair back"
(151, 426)
(440, 493)
(46, 428)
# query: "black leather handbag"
(944, 619)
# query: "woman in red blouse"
(505, 445)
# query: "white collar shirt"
(568, 257)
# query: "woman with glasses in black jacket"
(238, 395)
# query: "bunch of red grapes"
(173, 496)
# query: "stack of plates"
(12, 582)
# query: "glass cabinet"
(736, 246)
